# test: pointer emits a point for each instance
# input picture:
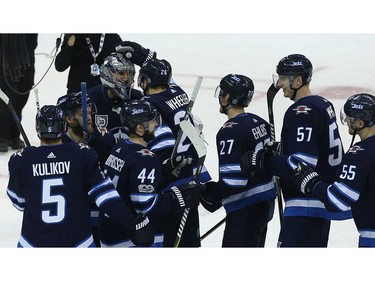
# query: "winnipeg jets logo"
(354, 149)
(302, 109)
(229, 125)
(101, 121)
(145, 152)
(119, 134)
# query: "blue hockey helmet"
(360, 106)
(70, 102)
(136, 112)
(155, 72)
(239, 87)
(296, 65)
(50, 122)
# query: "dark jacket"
(79, 58)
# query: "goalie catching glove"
(135, 52)
(141, 231)
(252, 161)
(186, 195)
(305, 178)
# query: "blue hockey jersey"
(354, 188)
(310, 134)
(172, 105)
(237, 190)
(136, 173)
(108, 112)
(52, 185)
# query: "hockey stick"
(187, 113)
(216, 226)
(7, 101)
(271, 93)
(84, 111)
(192, 133)
(36, 99)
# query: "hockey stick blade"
(5, 98)
(192, 133)
(188, 111)
(271, 93)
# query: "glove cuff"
(150, 55)
(177, 196)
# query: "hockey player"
(137, 175)
(249, 201)
(97, 138)
(117, 76)
(309, 133)
(171, 101)
(354, 184)
(52, 185)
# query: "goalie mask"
(117, 73)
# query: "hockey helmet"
(117, 73)
(155, 72)
(69, 103)
(50, 122)
(239, 87)
(360, 106)
(135, 112)
(296, 65)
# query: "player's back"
(53, 179)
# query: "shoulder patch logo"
(302, 109)
(354, 149)
(229, 125)
(146, 152)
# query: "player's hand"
(305, 178)
(141, 231)
(253, 161)
(135, 52)
(186, 195)
(209, 199)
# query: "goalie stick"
(187, 113)
(7, 101)
(271, 93)
(192, 133)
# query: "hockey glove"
(209, 199)
(141, 231)
(305, 178)
(135, 52)
(179, 166)
(252, 161)
(186, 195)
